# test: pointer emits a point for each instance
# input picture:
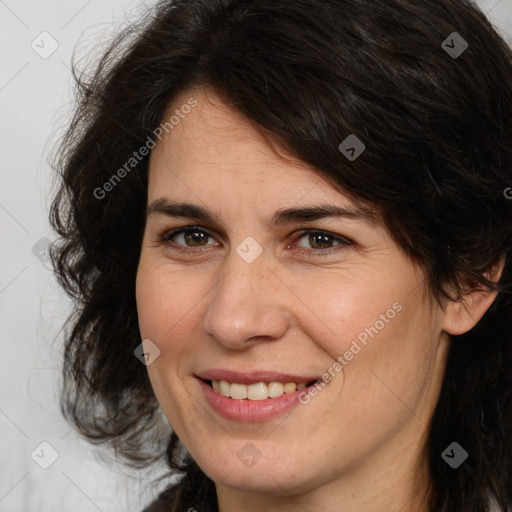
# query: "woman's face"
(267, 290)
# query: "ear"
(462, 315)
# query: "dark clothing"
(194, 492)
(163, 503)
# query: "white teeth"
(290, 387)
(256, 391)
(275, 389)
(224, 388)
(238, 391)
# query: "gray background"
(35, 104)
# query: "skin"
(358, 444)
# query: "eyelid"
(310, 231)
(343, 241)
(166, 235)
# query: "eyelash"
(309, 253)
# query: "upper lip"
(252, 377)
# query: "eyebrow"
(283, 216)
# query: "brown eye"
(189, 237)
(319, 240)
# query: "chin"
(262, 477)
(259, 481)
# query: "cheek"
(166, 302)
(378, 335)
(390, 372)
(334, 312)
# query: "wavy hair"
(438, 163)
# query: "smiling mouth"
(258, 390)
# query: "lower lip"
(250, 410)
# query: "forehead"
(213, 154)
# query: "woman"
(286, 226)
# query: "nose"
(248, 304)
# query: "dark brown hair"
(438, 161)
